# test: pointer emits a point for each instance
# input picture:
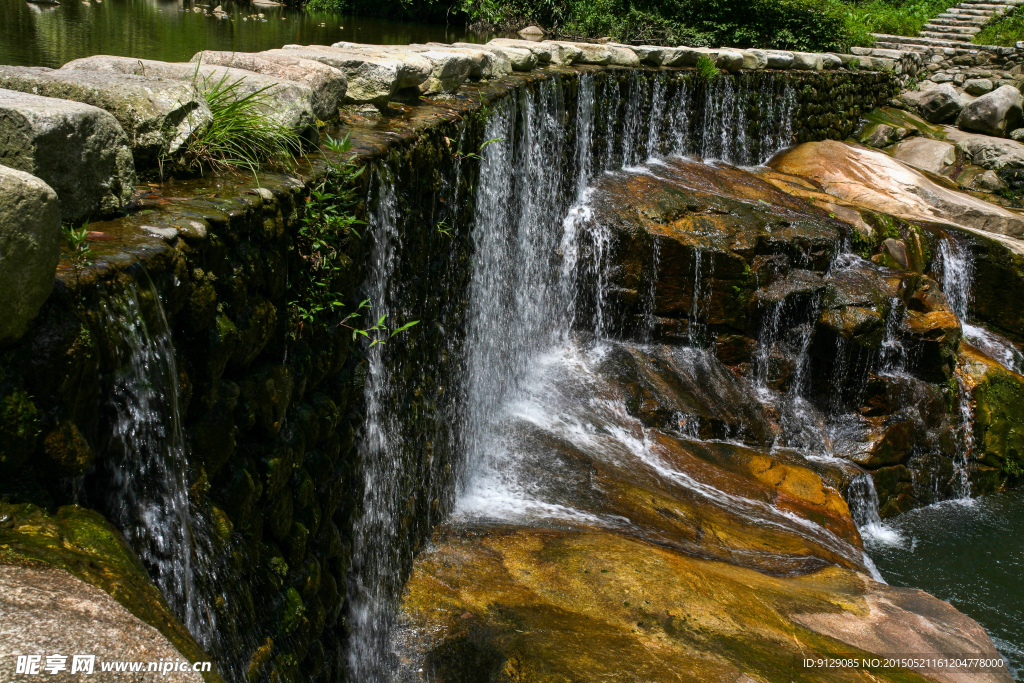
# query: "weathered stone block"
(290, 103)
(327, 83)
(159, 115)
(29, 248)
(373, 77)
(78, 150)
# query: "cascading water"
(145, 480)
(957, 268)
(533, 247)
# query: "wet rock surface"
(72, 568)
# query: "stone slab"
(159, 115)
(29, 250)
(77, 149)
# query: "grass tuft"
(706, 68)
(242, 134)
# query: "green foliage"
(1005, 31)
(895, 17)
(242, 134)
(706, 68)
(77, 244)
(420, 10)
(19, 427)
(328, 224)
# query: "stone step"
(939, 28)
(903, 47)
(990, 4)
(958, 21)
(967, 4)
(967, 12)
(904, 43)
(955, 37)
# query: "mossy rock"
(998, 396)
(86, 545)
(66, 451)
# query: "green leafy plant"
(476, 154)
(328, 224)
(77, 243)
(378, 332)
(241, 134)
(1005, 31)
(706, 68)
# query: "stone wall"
(272, 408)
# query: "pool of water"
(969, 553)
(51, 35)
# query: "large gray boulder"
(327, 83)
(996, 113)
(78, 150)
(935, 104)
(48, 611)
(991, 153)
(486, 64)
(614, 55)
(542, 50)
(29, 249)
(449, 67)
(518, 58)
(374, 77)
(158, 114)
(935, 156)
(290, 103)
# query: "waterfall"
(145, 481)
(539, 275)
(863, 500)
(378, 534)
(957, 269)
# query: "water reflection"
(51, 35)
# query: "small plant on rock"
(328, 225)
(706, 69)
(76, 240)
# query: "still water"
(50, 35)
(969, 553)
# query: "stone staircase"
(960, 23)
(954, 28)
(946, 52)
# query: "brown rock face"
(513, 604)
(869, 179)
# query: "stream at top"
(172, 31)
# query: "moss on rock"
(86, 545)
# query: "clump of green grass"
(706, 68)
(1005, 31)
(894, 17)
(242, 134)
